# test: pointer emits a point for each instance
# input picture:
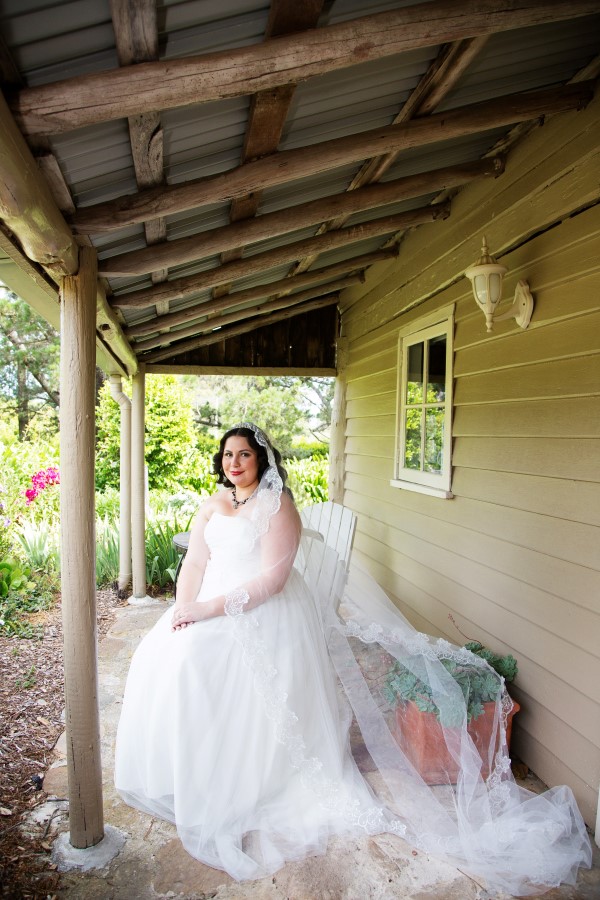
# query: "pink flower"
(31, 494)
(42, 479)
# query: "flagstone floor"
(152, 863)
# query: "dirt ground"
(31, 721)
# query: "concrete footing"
(66, 857)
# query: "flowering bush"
(41, 480)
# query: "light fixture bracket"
(522, 306)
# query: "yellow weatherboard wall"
(515, 556)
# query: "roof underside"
(284, 186)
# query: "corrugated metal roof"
(49, 41)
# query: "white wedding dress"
(203, 742)
(236, 727)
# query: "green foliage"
(504, 665)
(40, 546)
(107, 552)
(169, 435)
(161, 555)
(308, 449)
(28, 681)
(19, 597)
(29, 360)
(308, 480)
(14, 578)
(108, 504)
(478, 685)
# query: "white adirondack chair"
(325, 559)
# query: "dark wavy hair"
(263, 461)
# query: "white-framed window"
(424, 426)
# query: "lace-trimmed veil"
(475, 816)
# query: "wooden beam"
(290, 165)
(260, 262)
(209, 242)
(222, 335)
(300, 371)
(271, 289)
(209, 324)
(269, 109)
(28, 208)
(111, 332)
(438, 80)
(147, 87)
(136, 38)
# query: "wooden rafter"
(210, 323)
(132, 90)
(136, 38)
(278, 288)
(262, 262)
(290, 165)
(441, 76)
(223, 334)
(211, 242)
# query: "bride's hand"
(187, 614)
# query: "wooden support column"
(78, 558)
(124, 482)
(337, 437)
(138, 487)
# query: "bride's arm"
(194, 564)
(278, 551)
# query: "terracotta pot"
(419, 734)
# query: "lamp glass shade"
(488, 288)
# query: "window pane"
(436, 370)
(414, 375)
(434, 440)
(412, 445)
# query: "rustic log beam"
(27, 206)
(269, 109)
(290, 165)
(209, 324)
(303, 215)
(441, 76)
(260, 262)
(275, 288)
(111, 331)
(147, 87)
(136, 38)
(222, 335)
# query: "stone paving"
(151, 862)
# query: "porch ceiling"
(238, 164)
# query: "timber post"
(337, 438)
(124, 482)
(78, 560)
(138, 487)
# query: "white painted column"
(124, 482)
(337, 436)
(78, 551)
(138, 512)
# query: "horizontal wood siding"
(515, 556)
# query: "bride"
(235, 728)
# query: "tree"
(222, 401)
(286, 406)
(169, 434)
(29, 360)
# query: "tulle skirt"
(205, 743)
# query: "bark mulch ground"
(31, 721)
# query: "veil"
(470, 811)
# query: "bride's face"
(240, 462)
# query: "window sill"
(422, 489)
